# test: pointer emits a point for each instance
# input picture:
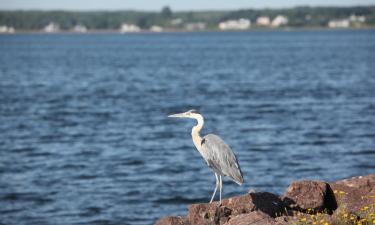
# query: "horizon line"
(191, 10)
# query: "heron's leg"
(221, 186)
(217, 184)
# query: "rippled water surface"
(85, 137)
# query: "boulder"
(310, 196)
(173, 220)
(264, 202)
(351, 199)
(268, 203)
(365, 183)
(252, 218)
(207, 214)
(304, 202)
(354, 194)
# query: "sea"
(85, 137)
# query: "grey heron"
(217, 154)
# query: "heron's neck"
(195, 132)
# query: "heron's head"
(192, 114)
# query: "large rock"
(299, 205)
(365, 183)
(265, 202)
(252, 218)
(310, 196)
(173, 220)
(354, 194)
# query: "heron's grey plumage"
(221, 158)
(214, 151)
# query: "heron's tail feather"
(237, 177)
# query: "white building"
(344, 23)
(11, 30)
(263, 21)
(195, 26)
(176, 22)
(79, 28)
(52, 28)
(6, 29)
(156, 29)
(129, 28)
(240, 24)
(357, 19)
(279, 20)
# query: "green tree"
(166, 12)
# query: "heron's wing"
(221, 158)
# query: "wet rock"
(310, 196)
(252, 218)
(173, 220)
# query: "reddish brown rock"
(310, 195)
(354, 194)
(173, 220)
(207, 214)
(351, 199)
(267, 203)
(346, 197)
(365, 183)
(252, 218)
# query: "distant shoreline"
(286, 29)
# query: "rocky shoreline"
(349, 201)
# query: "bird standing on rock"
(217, 154)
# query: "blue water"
(85, 137)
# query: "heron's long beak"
(178, 115)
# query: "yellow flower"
(315, 222)
(322, 221)
(342, 192)
(345, 215)
(303, 219)
(326, 223)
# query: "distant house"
(156, 29)
(240, 24)
(176, 21)
(343, 23)
(6, 29)
(79, 28)
(52, 28)
(279, 20)
(195, 26)
(357, 19)
(129, 28)
(263, 21)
